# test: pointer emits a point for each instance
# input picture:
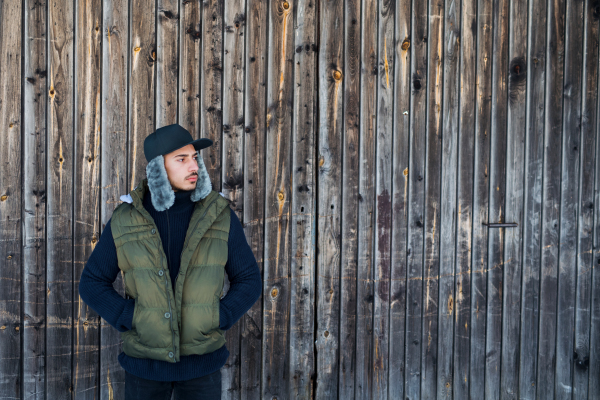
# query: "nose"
(193, 166)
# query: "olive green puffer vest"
(168, 325)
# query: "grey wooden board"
(60, 187)
(233, 158)
(383, 199)
(551, 199)
(363, 381)
(351, 73)
(306, 211)
(34, 203)
(481, 164)
(254, 183)
(11, 213)
(585, 214)
(86, 205)
(116, 56)
(400, 157)
(329, 203)
(496, 237)
(532, 207)
(450, 177)
(276, 288)
(570, 160)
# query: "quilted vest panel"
(169, 324)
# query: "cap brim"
(201, 143)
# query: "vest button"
(161, 273)
(167, 315)
(170, 354)
(153, 231)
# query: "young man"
(173, 238)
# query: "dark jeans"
(204, 388)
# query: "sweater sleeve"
(96, 284)
(244, 277)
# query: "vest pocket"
(196, 323)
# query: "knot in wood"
(337, 75)
(286, 5)
(405, 44)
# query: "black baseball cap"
(170, 138)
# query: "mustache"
(194, 174)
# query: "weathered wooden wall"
(365, 146)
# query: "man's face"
(182, 168)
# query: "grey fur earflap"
(203, 185)
(163, 196)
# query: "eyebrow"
(183, 155)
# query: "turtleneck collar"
(182, 202)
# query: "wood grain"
(60, 188)
(86, 186)
(254, 187)
(34, 203)
(331, 192)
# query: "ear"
(203, 185)
(163, 195)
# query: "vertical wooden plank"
(190, 33)
(531, 221)
(141, 85)
(331, 191)
(59, 302)
(114, 155)
(402, 89)
(11, 213)
(481, 165)
(167, 62)
(570, 159)
(350, 201)
(514, 170)
(496, 198)
(34, 202)
(594, 371)
(450, 178)
(416, 199)
(211, 109)
(364, 292)
(383, 201)
(431, 252)
(233, 161)
(254, 187)
(276, 316)
(465, 195)
(585, 213)
(304, 222)
(546, 352)
(86, 229)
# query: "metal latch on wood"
(501, 224)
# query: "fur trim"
(163, 196)
(203, 184)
